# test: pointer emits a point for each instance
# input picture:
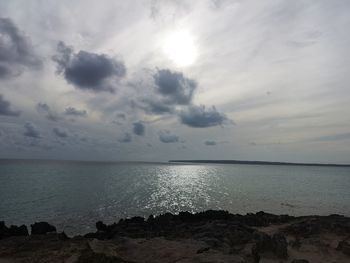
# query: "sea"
(73, 195)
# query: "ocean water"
(74, 195)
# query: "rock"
(62, 236)
(263, 242)
(150, 219)
(344, 246)
(295, 243)
(202, 250)
(18, 230)
(100, 226)
(135, 220)
(4, 231)
(255, 254)
(280, 245)
(41, 228)
(300, 261)
(277, 244)
(304, 229)
(12, 230)
(89, 256)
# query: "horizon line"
(213, 161)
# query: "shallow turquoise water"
(74, 195)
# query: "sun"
(179, 46)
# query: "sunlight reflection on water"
(180, 188)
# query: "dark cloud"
(5, 108)
(210, 143)
(166, 136)
(138, 128)
(175, 88)
(15, 50)
(31, 131)
(63, 56)
(71, 111)
(45, 109)
(158, 107)
(200, 117)
(59, 132)
(126, 138)
(88, 71)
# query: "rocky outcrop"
(264, 243)
(314, 225)
(12, 230)
(300, 261)
(210, 236)
(344, 246)
(41, 228)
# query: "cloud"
(5, 108)
(88, 71)
(335, 137)
(158, 107)
(60, 133)
(31, 131)
(121, 116)
(139, 128)
(71, 111)
(126, 138)
(16, 50)
(45, 109)
(166, 136)
(176, 88)
(200, 117)
(210, 143)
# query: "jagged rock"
(255, 254)
(263, 242)
(202, 250)
(277, 244)
(135, 220)
(305, 229)
(295, 243)
(300, 261)
(41, 228)
(89, 256)
(280, 245)
(4, 231)
(344, 246)
(100, 226)
(12, 230)
(150, 219)
(18, 230)
(62, 236)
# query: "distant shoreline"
(258, 163)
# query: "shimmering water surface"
(74, 195)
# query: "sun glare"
(180, 47)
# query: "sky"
(157, 80)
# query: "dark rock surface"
(300, 261)
(218, 235)
(344, 246)
(12, 230)
(41, 228)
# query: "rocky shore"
(210, 236)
